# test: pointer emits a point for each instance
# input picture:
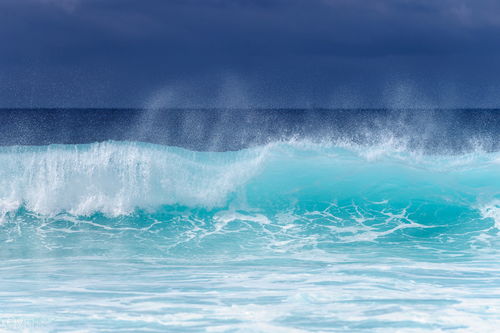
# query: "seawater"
(287, 236)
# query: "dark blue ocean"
(227, 220)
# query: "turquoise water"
(285, 237)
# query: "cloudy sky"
(250, 53)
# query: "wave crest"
(116, 178)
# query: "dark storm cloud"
(242, 52)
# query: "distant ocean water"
(250, 220)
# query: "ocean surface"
(249, 220)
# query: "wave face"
(291, 236)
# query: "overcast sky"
(250, 53)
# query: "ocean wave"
(116, 178)
(296, 199)
(290, 195)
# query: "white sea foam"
(492, 211)
(115, 178)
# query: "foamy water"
(290, 236)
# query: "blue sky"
(250, 53)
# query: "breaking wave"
(337, 182)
